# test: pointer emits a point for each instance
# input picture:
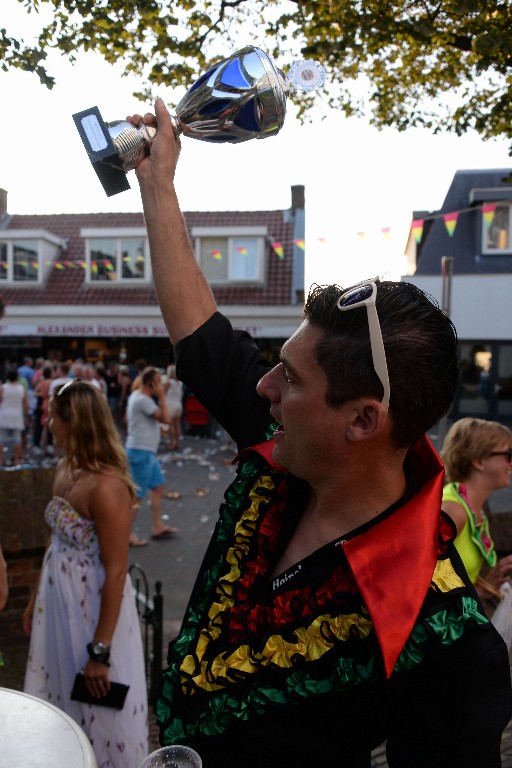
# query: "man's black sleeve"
(222, 367)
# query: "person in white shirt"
(13, 414)
(147, 408)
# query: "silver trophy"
(242, 97)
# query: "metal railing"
(151, 616)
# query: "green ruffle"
(447, 627)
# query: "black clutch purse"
(113, 699)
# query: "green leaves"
(444, 65)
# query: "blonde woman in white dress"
(84, 616)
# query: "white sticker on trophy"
(95, 135)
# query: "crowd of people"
(26, 389)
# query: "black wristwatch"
(99, 652)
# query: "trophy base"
(101, 151)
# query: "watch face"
(99, 648)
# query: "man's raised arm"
(183, 293)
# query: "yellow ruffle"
(445, 577)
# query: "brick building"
(80, 285)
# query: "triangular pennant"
(417, 229)
(243, 251)
(386, 232)
(361, 235)
(488, 211)
(278, 249)
(450, 222)
(300, 244)
(216, 254)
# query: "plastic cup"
(175, 756)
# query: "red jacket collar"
(409, 536)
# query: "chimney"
(3, 201)
(298, 201)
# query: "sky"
(361, 185)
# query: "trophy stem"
(176, 126)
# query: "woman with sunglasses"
(84, 617)
(477, 455)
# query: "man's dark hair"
(421, 352)
(148, 374)
(12, 374)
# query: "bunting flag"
(386, 232)
(278, 249)
(216, 255)
(361, 235)
(58, 265)
(450, 222)
(34, 264)
(243, 251)
(417, 229)
(488, 212)
(300, 244)
(108, 264)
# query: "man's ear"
(368, 419)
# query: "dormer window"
(116, 256)
(231, 255)
(26, 255)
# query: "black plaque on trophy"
(102, 153)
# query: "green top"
(474, 543)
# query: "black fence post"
(151, 614)
(158, 640)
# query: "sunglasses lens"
(356, 295)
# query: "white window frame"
(47, 246)
(486, 251)
(116, 235)
(230, 234)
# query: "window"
(117, 259)
(19, 261)
(497, 236)
(235, 256)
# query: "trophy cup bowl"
(242, 97)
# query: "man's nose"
(268, 387)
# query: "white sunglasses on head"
(364, 294)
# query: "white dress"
(65, 617)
